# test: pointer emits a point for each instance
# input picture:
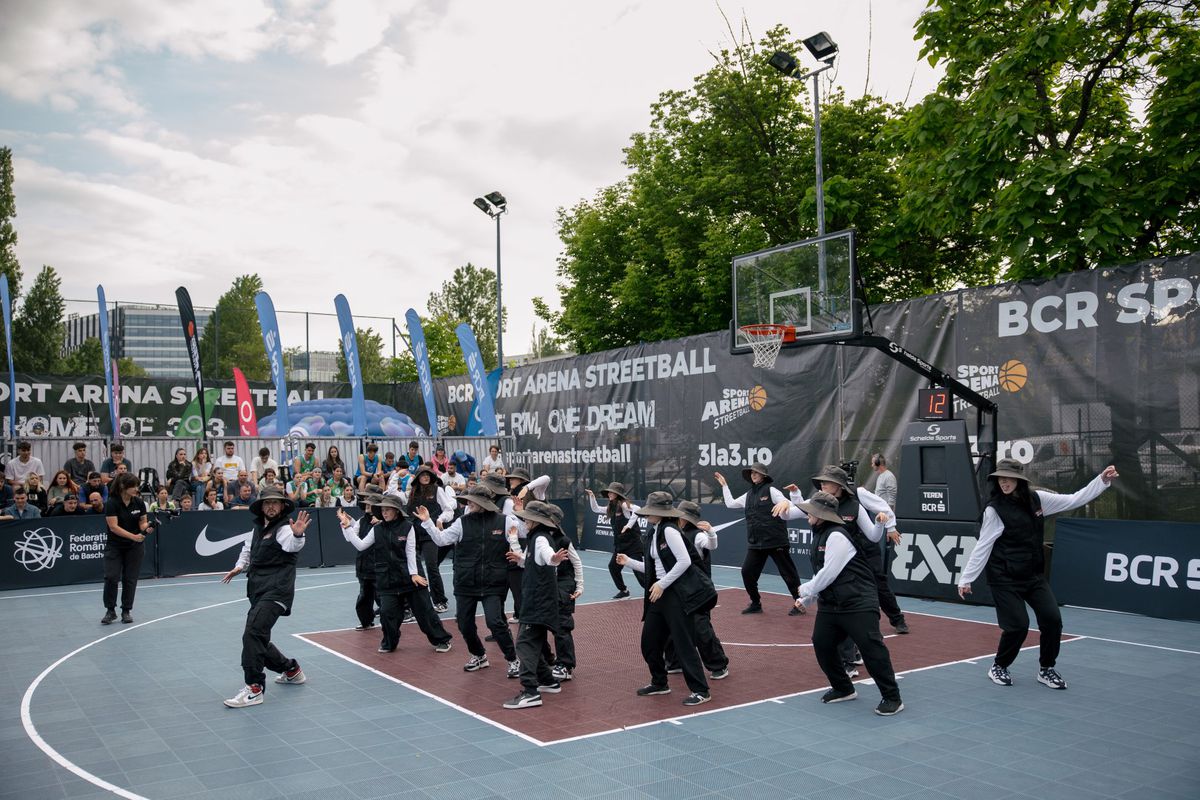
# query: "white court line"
(59, 758)
(1141, 644)
(141, 585)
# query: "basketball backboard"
(808, 286)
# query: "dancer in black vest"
(1010, 548)
(701, 541)
(766, 535)
(425, 490)
(399, 574)
(569, 575)
(269, 556)
(480, 575)
(627, 534)
(539, 602)
(679, 589)
(497, 486)
(849, 607)
(364, 562)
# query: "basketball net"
(765, 342)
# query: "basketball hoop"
(765, 340)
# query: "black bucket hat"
(619, 489)
(480, 497)
(760, 468)
(541, 512)
(426, 469)
(689, 511)
(1009, 468)
(822, 505)
(494, 484)
(833, 474)
(521, 474)
(658, 504)
(272, 493)
(391, 501)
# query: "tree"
(9, 265)
(543, 343)
(232, 337)
(88, 359)
(1062, 136)
(441, 343)
(726, 168)
(374, 366)
(470, 296)
(38, 332)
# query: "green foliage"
(445, 356)
(470, 296)
(543, 343)
(38, 333)
(88, 359)
(232, 337)
(1062, 136)
(375, 367)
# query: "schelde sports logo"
(38, 550)
(734, 403)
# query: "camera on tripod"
(851, 467)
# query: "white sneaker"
(294, 679)
(561, 673)
(476, 663)
(514, 668)
(248, 696)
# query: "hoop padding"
(765, 341)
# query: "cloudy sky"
(336, 145)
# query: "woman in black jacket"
(627, 534)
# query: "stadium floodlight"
(785, 62)
(494, 204)
(821, 46)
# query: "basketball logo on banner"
(1013, 376)
(36, 551)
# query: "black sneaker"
(551, 688)
(697, 699)
(525, 700)
(753, 608)
(851, 669)
(1051, 678)
(650, 690)
(109, 617)
(887, 708)
(999, 675)
(126, 617)
(720, 674)
(834, 696)
(674, 670)
(489, 638)
(901, 627)
(621, 594)
(366, 627)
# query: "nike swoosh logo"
(207, 547)
(726, 525)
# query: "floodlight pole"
(499, 301)
(822, 271)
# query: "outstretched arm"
(1054, 503)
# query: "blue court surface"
(135, 711)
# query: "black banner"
(191, 338)
(209, 541)
(1150, 568)
(58, 551)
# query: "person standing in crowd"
(61, 487)
(492, 461)
(116, 457)
(627, 534)
(849, 607)
(364, 563)
(678, 590)
(399, 574)
(128, 527)
(426, 491)
(1011, 537)
(480, 542)
(539, 602)
(885, 481)
(230, 464)
(201, 473)
(766, 535)
(699, 534)
(21, 508)
(269, 555)
(260, 465)
(178, 475)
(18, 470)
(368, 467)
(80, 466)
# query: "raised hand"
(720, 478)
(791, 487)
(300, 523)
(558, 557)
(622, 559)
(422, 513)
(344, 519)
(704, 525)
(1109, 473)
(780, 508)
(590, 493)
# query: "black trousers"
(666, 621)
(257, 649)
(515, 576)
(531, 649)
(564, 639)
(391, 614)
(364, 606)
(832, 628)
(712, 653)
(1013, 620)
(493, 616)
(752, 568)
(614, 569)
(122, 564)
(433, 573)
(887, 598)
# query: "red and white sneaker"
(248, 696)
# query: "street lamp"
(494, 204)
(825, 50)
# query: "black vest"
(694, 589)
(701, 556)
(1017, 554)
(364, 562)
(431, 505)
(480, 567)
(848, 507)
(854, 588)
(629, 541)
(391, 562)
(272, 572)
(763, 531)
(539, 585)
(565, 571)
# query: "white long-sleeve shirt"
(674, 541)
(362, 543)
(542, 553)
(705, 541)
(869, 505)
(991, 527)
(538, 487)
(838, 552)
(289, 541)
(740, 502)
(630, 509)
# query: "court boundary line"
(142, 585)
